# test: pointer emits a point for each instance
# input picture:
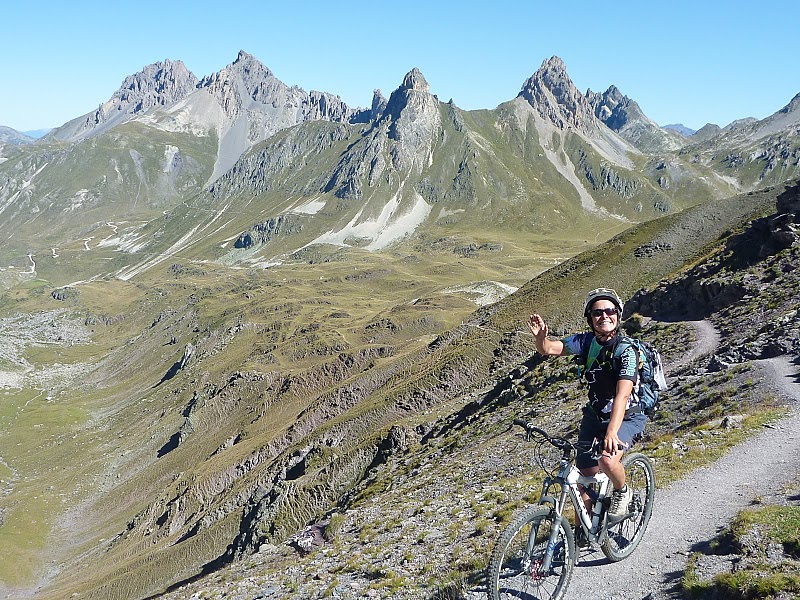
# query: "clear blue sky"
(690, 62)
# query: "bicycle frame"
(570, 478)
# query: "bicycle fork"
(555, 528)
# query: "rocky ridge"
(404, 156)
(157, 85)
(623, 115)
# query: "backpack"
(651, 371)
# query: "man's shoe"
(620, 500)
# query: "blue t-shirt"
(604, 369)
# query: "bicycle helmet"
(601, 294)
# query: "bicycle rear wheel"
(622, 538)
(515, 567)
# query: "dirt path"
(693, 510)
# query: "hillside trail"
(692, 511)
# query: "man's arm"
(544, 345)
(624, 389)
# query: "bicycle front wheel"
(515, 570)
(622, 538)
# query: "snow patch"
(310, 207)
(383, 231)
(482, 292)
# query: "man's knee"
(607, 461)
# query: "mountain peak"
(157, 84)
(793, 106)
(257, 79)
(246, 62)
(554, 96)
(244, 56)
(554, 63)
(415, 80)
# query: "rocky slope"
(422, 523)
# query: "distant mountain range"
(364, 177)
(682, 129)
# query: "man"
(613, 414)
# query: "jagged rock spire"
(378, 104)
(414, 91)
(415, 80)
(554, 96)
(614, 108)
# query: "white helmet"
(601, 294)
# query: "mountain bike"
(535, 555)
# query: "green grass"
(756, 577)
(780, 524)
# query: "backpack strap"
(583, 357)
(620, 343)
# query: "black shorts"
(593, 427)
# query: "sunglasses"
(599, 312)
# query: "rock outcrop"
(401, 140)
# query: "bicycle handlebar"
(530, 428)
(561, 443)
